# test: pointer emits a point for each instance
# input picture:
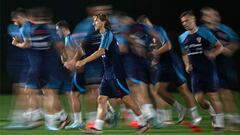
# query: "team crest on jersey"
(199, 39)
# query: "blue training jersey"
(71, 42)
(168, 57)
(225, 35)
(194, 45)
(113, 67)
(85, 31)
(41, 36)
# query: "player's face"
(17, 21)
(210, 16)
(188, 22)
(98, 24)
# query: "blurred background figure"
(23, 116)
(168, 70)
(226, 68)
(72, 52)
(44, 47)
(134, 46)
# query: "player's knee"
(199, 100)
(213, 97)
(102, 100)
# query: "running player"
(168, 70)
(44, 48)
(199, 48)
(72, 53)
(113, 84)
(226, 68)
(23, 116)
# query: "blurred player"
(72, 53)
(23, 116)
(227, 71)
(137, 65)
(168, 70)
(44, 48)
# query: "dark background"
(161, 12)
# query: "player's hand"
(189, 68)
(72, 62)
(69, 65)
(80, 64)
(15, 41)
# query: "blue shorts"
(46, 69)
(228, 80)
(137, 70)
(78, 82)
(170, 73)
(93, 72)
(204, 83)
(114, 88)
(18, 65)
(227, 73)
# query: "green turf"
(7, 102)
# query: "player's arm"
(24, 44)
(164, 48)
(105, 43)
(188, 65)
(160, 38)
(64, 57)
(154, 35)
(215, 51)
(79, 53)
(234, 43)
(231, 48)
(130, 39)
(185, 58)
(94, 56)
(71, 63)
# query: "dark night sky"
(164, 12)
(161, 12)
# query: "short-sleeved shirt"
(113, 67)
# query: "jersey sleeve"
(25, 31)
(53, 34)
(181, 40)
(208, 35)
(106, 40)
(13, 30)
(232, 35)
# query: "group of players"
(138, 65)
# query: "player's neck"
(66, 33)
(102, 30)
(193, 30)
